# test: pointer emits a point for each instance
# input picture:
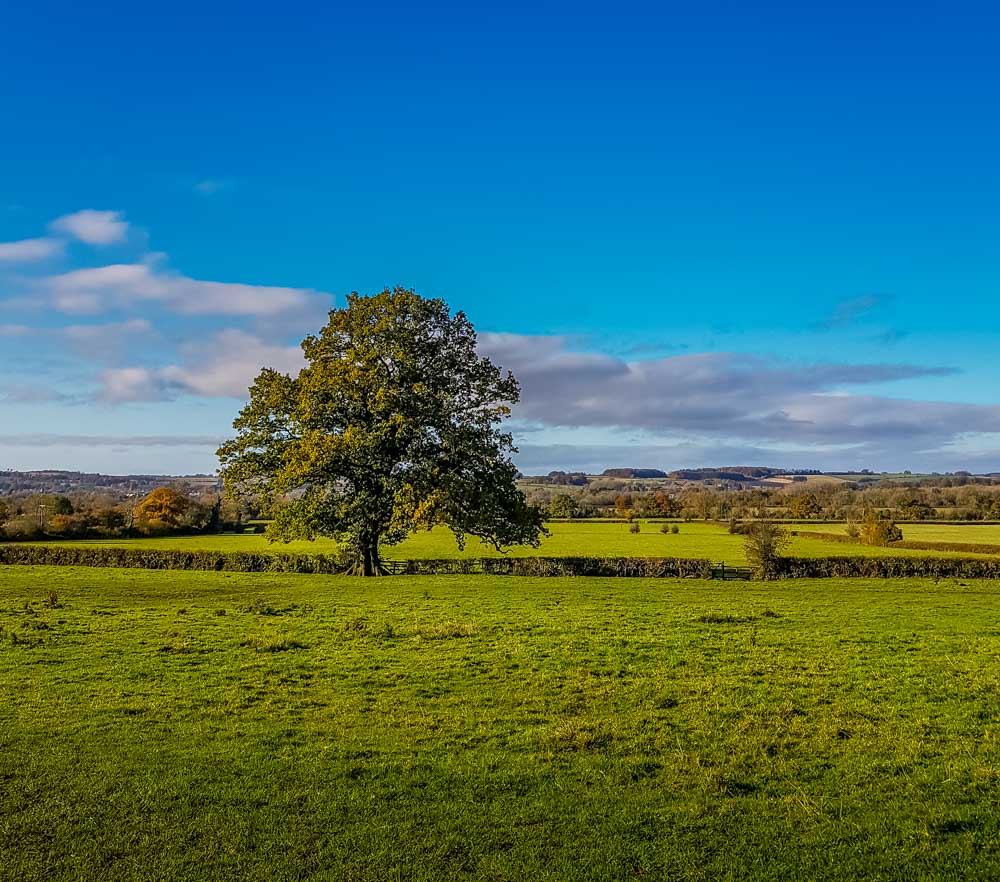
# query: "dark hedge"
(242, 562)
(887, 567)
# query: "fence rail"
(729, 573)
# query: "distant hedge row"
(649, 567)
(887, 567)
(243, 562)
(155, 559)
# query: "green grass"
(970, 534)
(194, 726)
(600, 539)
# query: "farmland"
(987, 534)
(599, 539)
(203, 725)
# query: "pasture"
(192, 726)
(973, 533)
(567, 539)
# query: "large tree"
(392, 425)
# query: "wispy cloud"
(727, 396)
(92, 227)
(221, 367)
(30, 250)
(28, 393)
(95, 290)
(890, 336)
(849, 312)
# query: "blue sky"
(700, 233)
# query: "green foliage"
(243, 562)
(391, 426)
(562, 506)
(763, 542)
(878, 531)
(804, 505)
(61, 505)
(900, 566)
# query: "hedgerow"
(887, 567)
(243, 562)
(635, 567)
(648, 567)
(156, 559)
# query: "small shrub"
(665, 528)
(220, 612)
(879, 531)
(675, 529)
(634, 527)
(52, 600)
(763, 542)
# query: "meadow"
(193, 726)
(568, 539)
(973, 533)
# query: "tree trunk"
(371, 563)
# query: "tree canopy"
(162, 508)
(392, 425)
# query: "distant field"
(791, 483)
(698, 540)
(193, 726)
(985, 534)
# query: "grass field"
(985, 534)
(197, 726)
(601, 539)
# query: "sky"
(699, 234)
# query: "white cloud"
(121, 385)
(30, 250)
(92, 227)
(97, 289)
(221, 367)
(101, 333)
(14, 330)
(718, 395)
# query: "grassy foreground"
(197, 726)
(567, 539)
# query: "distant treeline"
(952, 498)
(161, 512)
